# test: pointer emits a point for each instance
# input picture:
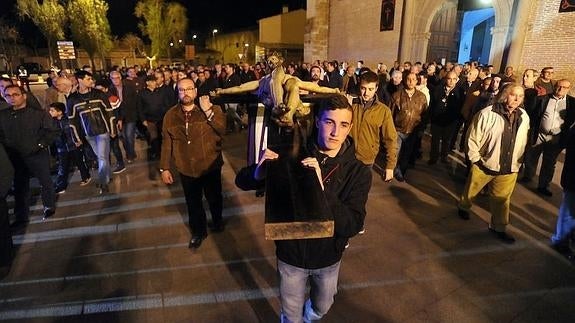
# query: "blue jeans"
(566, 218)
(101, 146)
(293, 282)
(129, 137)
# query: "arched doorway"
(462, 31)
(443, 41)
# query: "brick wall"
(354, 33)
(550, 40)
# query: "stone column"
(499, 37)
(419, 43)
(520, 31)
(316, 31)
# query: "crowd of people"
(505, 123)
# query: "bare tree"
(8, 43)
(49, 16)
(162, 23)
(90, 27)
(133, 42)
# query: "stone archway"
(420, 15)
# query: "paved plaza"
(123, 257)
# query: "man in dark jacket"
(345, 182)
(92, 118)
(445, 107)
(26, 134)
(192, 142)
(6, 177)
(553, 115)
(565, 228)
(128, 111)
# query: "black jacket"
(539, 111)
(568, 173)
(26, 130)
(152, 106)
(65, 140)
(446, 109)
(346, 192)
(6, 172)
(128, 109)
(90, 114)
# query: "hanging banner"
(567, 6)
(387, 15)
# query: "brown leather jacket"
(196, 150)
(408, 112)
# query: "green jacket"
(373, 126)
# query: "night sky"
(203, 15)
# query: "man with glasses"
(553, 115)
(192, 142)
(26, 133)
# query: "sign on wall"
(66, 50)
(567, 6)
(387, 15)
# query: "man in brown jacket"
(192, 139)
(373, 125)
(408, 106)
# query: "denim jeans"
(566, 218)
(129, 137)
(293, 282)
(101, 146)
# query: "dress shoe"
(399, 176)
(525, 180)
(19, 224)
(48, 212)
(544, 191)
(217, 227)
(503, 236)
(432, 162)
(196, 242)
(463, 214)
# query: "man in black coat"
(553, 115)
(26, 134)
(445, 107)
(6, 177)
(565, 227)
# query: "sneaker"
(503, 236)
(346, 245)
(119, 169)
(129, 161)
(463, 214)
(86, 181)
(104, 189)
(544, 191)
(362, 231)
(60, 191)
(48, 212)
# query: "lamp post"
(214, 38)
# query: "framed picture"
(567, 6)
(387, 15)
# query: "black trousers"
(65, 160)
(37, 165)
(209, 185)
(441, 136)
(115, 147)
(5, 234)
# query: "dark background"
(203, 16)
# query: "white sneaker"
(86, 181)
